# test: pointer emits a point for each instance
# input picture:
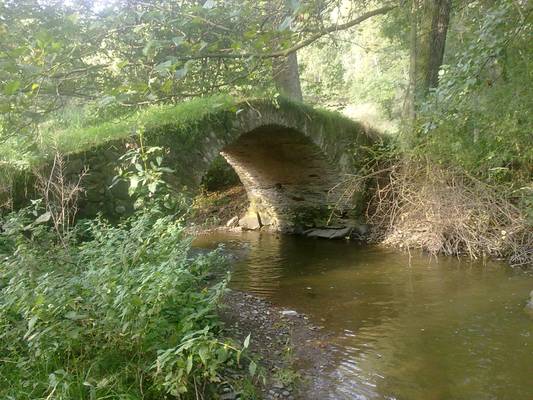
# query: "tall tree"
(429, 20)
(285, 72)
(410, 98)
(437, 42)
(287, 76)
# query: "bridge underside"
(286, 176)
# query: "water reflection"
(402, 328)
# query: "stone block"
(250, 222)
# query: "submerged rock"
(360, 231)
(289, 312)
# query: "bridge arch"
(288, 156)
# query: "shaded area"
(287, 177)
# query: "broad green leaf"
(180, 73)
(152, 187)
(44, 218)
(31, 323)
(189, 364)
(203, 352)
(164, 66)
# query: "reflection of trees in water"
(260, 271)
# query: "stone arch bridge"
(287, 155)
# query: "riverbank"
(217, 210)
(438, 212)
(281, 340)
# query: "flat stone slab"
(329, 233)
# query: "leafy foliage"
(124, 312)
(112, 58)
(479, 116)
(219, 176)
(365, 68)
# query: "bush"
(126, 313)
(450, 212)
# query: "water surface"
(402, 327)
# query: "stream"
(401, 326)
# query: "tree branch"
(334, 28)
(298, 46)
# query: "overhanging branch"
(298, 46)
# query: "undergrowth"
(112, 312)
(447, 211)
(415, 202)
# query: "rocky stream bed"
(281, 339)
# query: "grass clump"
(184, 117)
(120, 312)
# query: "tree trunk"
(410, 97)
(287, 76)
(437, 42)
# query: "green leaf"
(106, 101)
(164, 66)
(180, 73)
(247, 341)
(152, 187)
(150, 49)
(178, 40)
(31, 323)
(202, 352)
(12, 87)
(294, 4)
(167, 170)
(74, 316)
(134, 182)
(44, 218)
(189, 364)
